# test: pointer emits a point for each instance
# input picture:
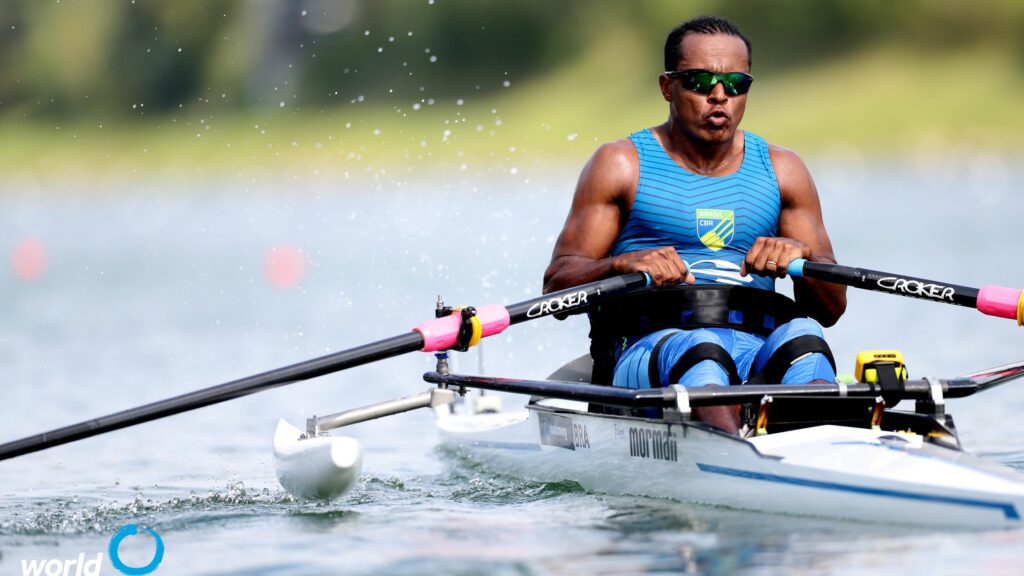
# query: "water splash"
(76, 516)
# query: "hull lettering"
(653, 444)
(562, 432)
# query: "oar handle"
(992, 300)
(1002, 302)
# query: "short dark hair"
(699, 25)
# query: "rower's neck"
(704, 158)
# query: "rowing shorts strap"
(699, 353)
(787, 355)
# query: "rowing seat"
(578, 370)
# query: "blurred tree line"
(108, 58)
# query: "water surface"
(158, 288)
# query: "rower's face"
(710, 118)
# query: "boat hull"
(823, 471)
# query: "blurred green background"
(118, 87)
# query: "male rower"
(697, 201)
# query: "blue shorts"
(750, 352)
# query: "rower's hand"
(663, 265)
(772, 256)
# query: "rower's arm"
(595, 218)
(603, 198)
(800, 219)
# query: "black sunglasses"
(703, 81)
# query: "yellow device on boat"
(869, 362)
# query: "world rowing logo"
(115, 555)
(81, 566)
(716, 228)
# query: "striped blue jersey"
(711, 221)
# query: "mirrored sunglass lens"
(730, 86)
(736, 84)
(699, 81)
(703, 82)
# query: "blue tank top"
(711, 220)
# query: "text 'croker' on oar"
(992, 300)
(456, 329)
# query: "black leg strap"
(653, 374)
(701, 352)
(787, 354)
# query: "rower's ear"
(665, 83)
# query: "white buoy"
(319, 468)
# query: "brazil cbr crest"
(715, 227)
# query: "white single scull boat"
(888, 466)
(828, 470)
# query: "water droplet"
(433, 58)
(506, 83)
(572, 136)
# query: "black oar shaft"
(887, 282)
(350, 358)
(577, 299)
(567, 301)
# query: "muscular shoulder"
(619, 152)
(612, 172)
(791, 172)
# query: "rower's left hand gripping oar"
(992, 300)
(437, 334)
